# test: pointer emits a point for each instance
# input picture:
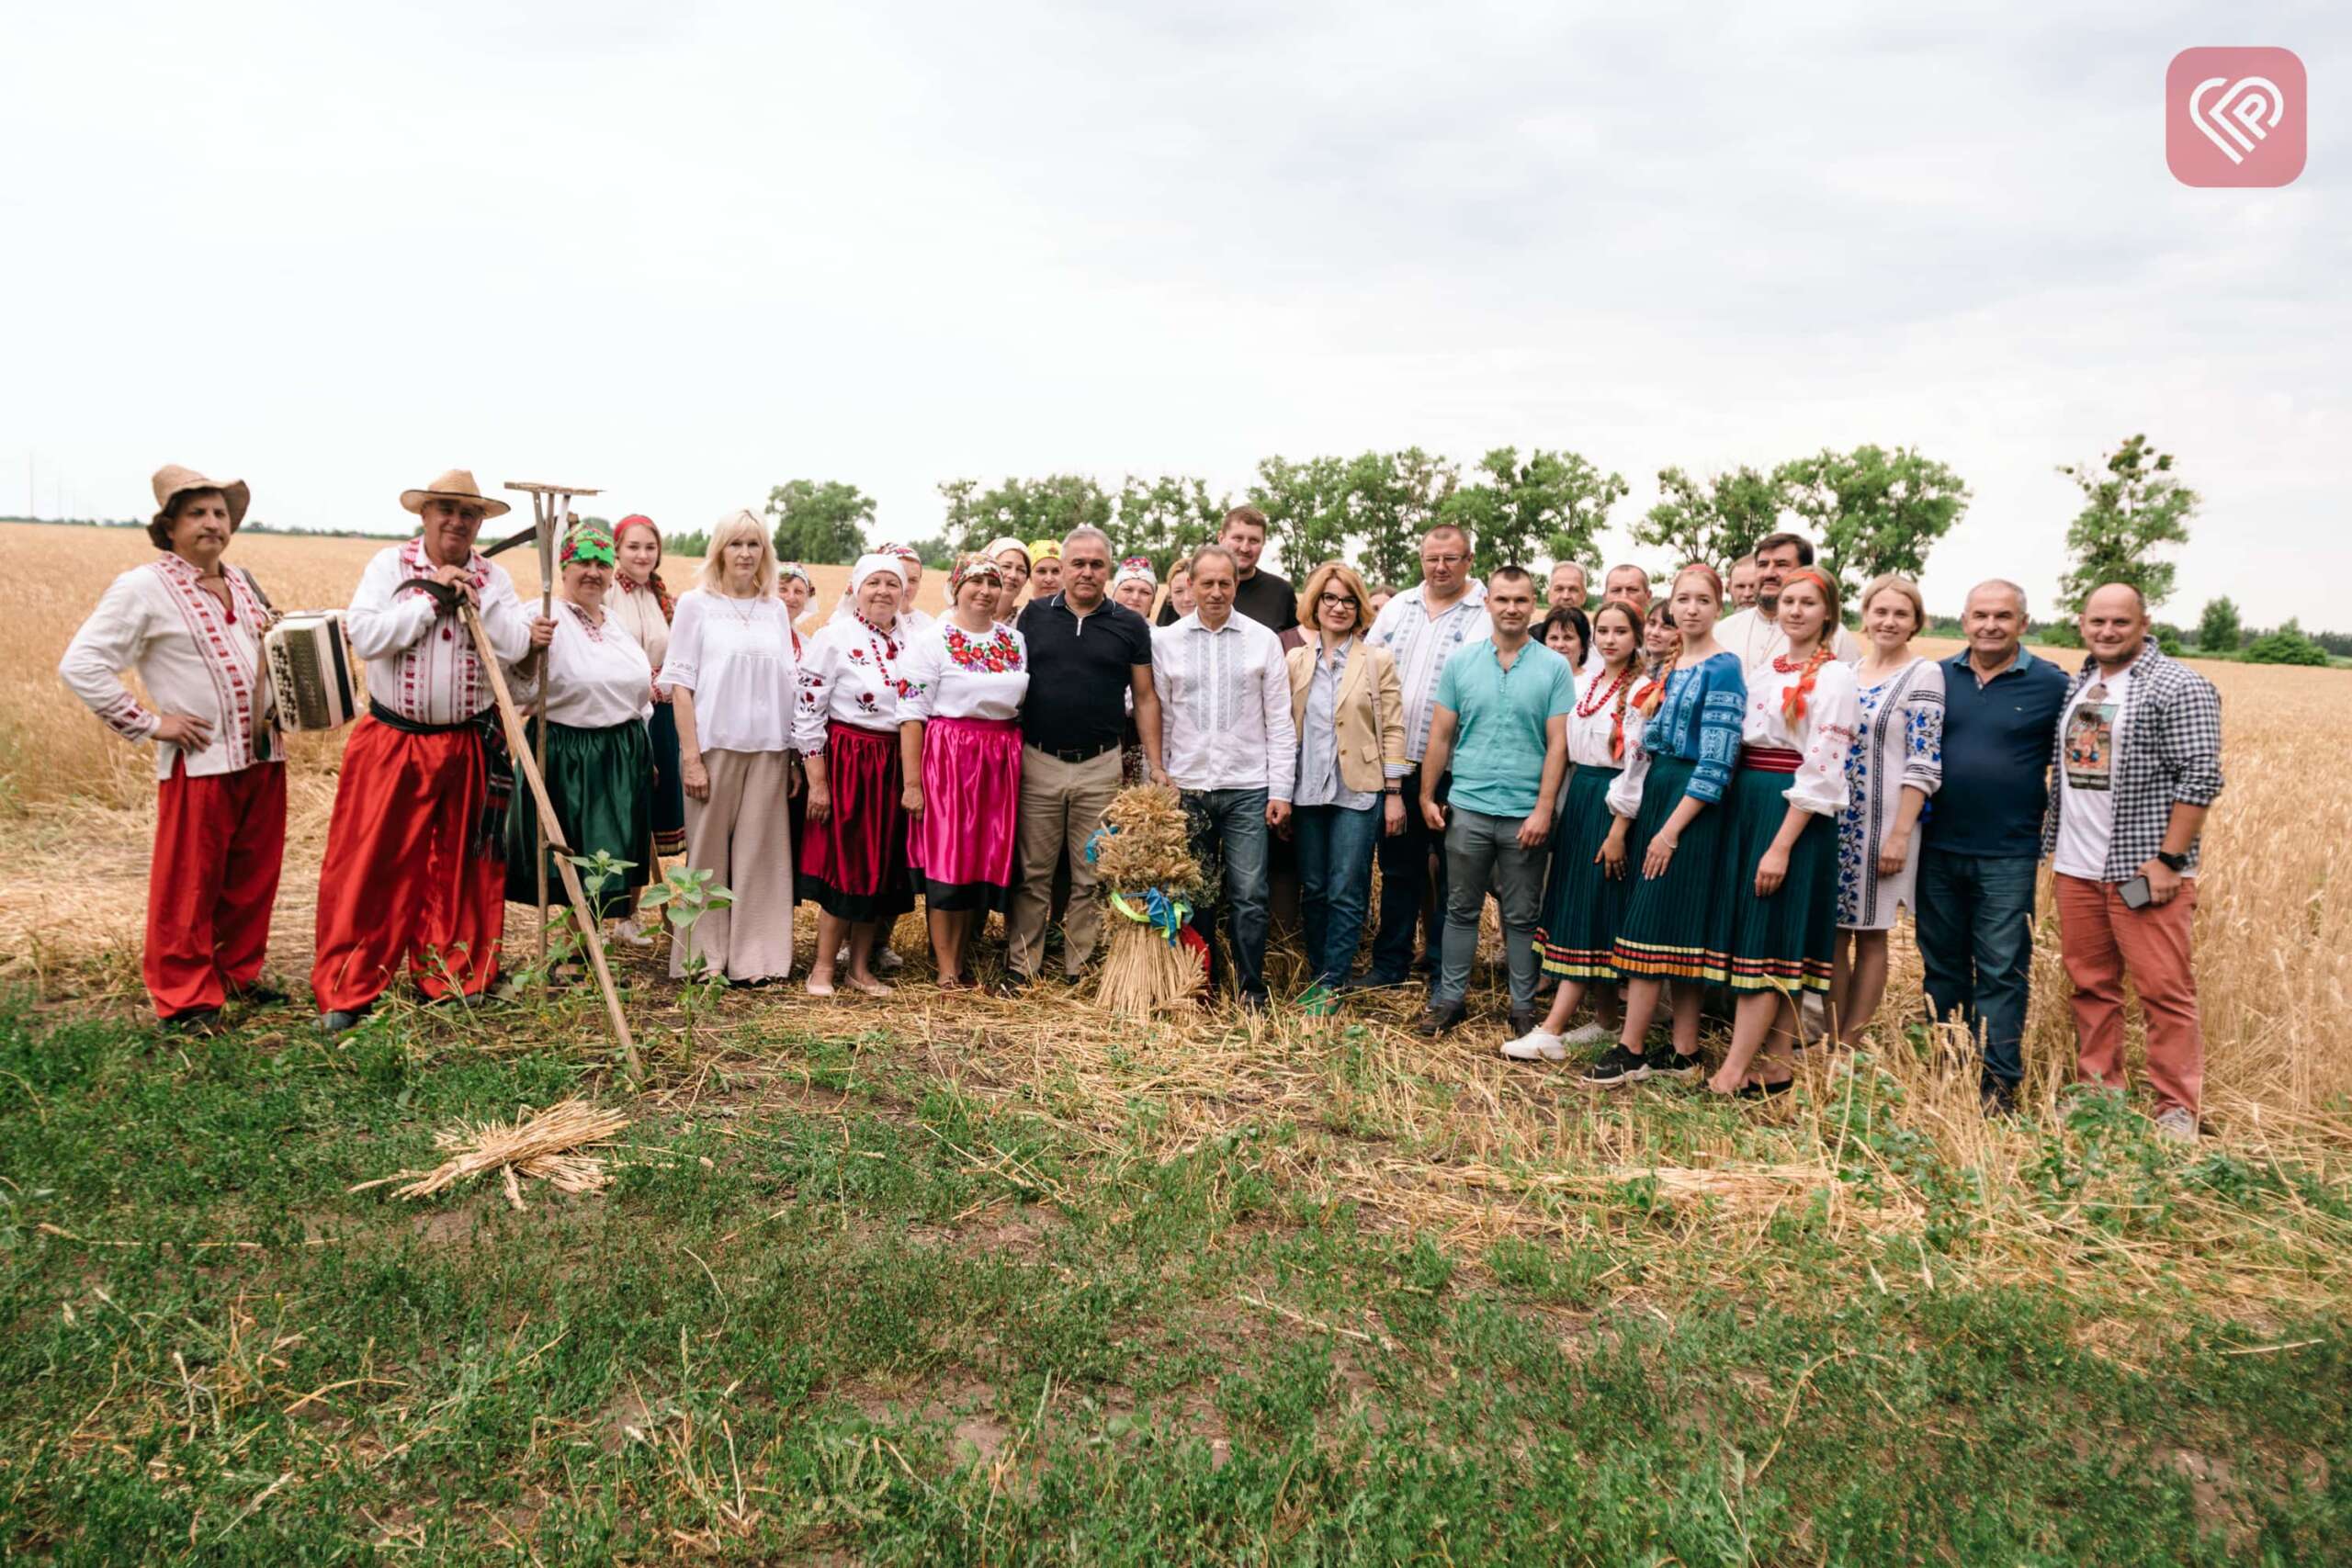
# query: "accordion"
(313, 683)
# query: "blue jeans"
(1975, 929)
(1404, 869)
(1228, 835)
(1335, 847)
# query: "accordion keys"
(313, 677)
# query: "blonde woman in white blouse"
(959, 729)
(597, 685)
(1780, 919)
(854, 850)
(193, 628)
(732, 677)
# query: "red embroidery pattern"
(206, 621)
(996, 655)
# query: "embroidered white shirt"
(1821, 738)
(1421, 644)
(849, 673)
(193, 655)
(1590, 734)
(735, 656)
(952, 674)
(1225, 706)
(597, 675)
(638, 610)
(420, 664)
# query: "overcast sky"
(685, 252)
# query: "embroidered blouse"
(952, 674)
(735, 657)
(638, 610)
(851, 674)
(193, 655)
(1821, 737)
(421, 663)
(1590, 734)
(598, 676)
(1698, 720)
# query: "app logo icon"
(2234, 117)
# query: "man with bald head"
(2137, 760)
(1981, 848)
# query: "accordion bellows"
(311, 672)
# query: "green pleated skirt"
(602, 783)
(1784, 943)
(1583, 905)
(1671, 931)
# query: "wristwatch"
(2176, 863)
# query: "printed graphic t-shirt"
(2090, 731)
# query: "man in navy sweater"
(1982, 846)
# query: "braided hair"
(661, 595)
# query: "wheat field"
(1475, 1150)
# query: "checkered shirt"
(2170, 753)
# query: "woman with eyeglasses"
(1349, 712)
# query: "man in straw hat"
(415, 860)
(193, 630)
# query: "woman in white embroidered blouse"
(732, 678)
(193, 630)
(960, 736)
(641, 601)
(1896, 764)
(598, 687)
(853, 851)
(1779, 923)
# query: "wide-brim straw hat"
(171, 479)
(457, 484)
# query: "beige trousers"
(744, 837)
(1061, 805)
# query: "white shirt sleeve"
(382, 621)
(1281, 734)
(1835, 715)
(681, 665)
(1625, 789)
(922, 668)
(813, 711)
(108, 642)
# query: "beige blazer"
(1370, 711)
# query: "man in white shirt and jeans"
(1232, 750)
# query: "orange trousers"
(219, 843)
(2101, 943)
(402, 885)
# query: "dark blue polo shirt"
(1996, 759)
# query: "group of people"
(1677, 804)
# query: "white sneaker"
(2174, 1121)
(1536, 1046)
(1592, 1033)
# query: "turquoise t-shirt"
(1500, 713)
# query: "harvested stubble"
(545, 1147)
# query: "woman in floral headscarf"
(598, 685)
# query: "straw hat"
(171, 479)
(457, 484)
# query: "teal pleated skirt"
(1671, 930)
(601, 782)
(1583, 905)
(1784, 942)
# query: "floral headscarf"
(1135, 569)
(588, 542)
(970, 568)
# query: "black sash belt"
(497, 768)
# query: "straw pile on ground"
(544, 1147)
(1145, 859)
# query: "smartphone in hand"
(2135, 894)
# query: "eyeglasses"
(1336, 601)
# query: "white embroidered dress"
(952, 674)
(1901, 745)
(194, 654)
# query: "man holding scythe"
(415, 860)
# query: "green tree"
(1165, 517)
(824, 523)
(1871, 511)
(1306, 509)
(1716, 520)
(2289, 645)
(1022, 509)
(2219, 629)
(1555, 502)
(2134, 506)
(1394, 498)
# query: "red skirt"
(962, 845)
(853, 863)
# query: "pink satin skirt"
(962, 845)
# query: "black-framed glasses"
(1336, 601)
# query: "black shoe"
(195, 1021)
(1666, 1062)
(1254, 1002)
(1436, 1020)
(1523, 1021)
(1367, 983)
(260, 993)
(1998, 1099)
(1764, 1091)
(341, 1021)
(1618, 1066)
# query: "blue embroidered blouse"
(1698, 720)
